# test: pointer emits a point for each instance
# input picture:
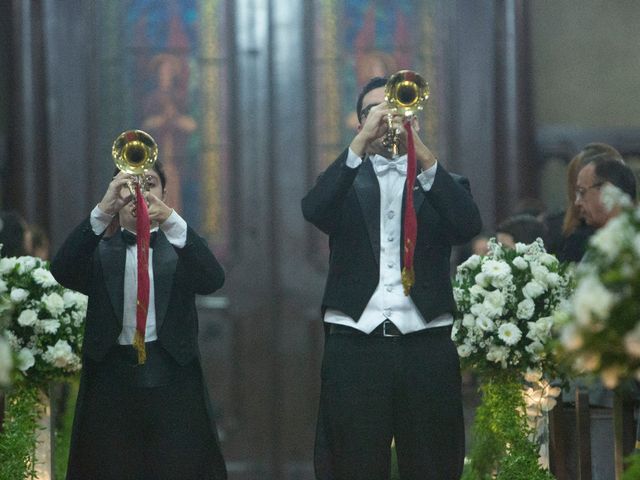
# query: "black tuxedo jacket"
(345, 204)
(95, 266)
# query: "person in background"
(15, 235)
(521, 228)
(575, 231)
(140, 419)
(40, 242)
(592, 178)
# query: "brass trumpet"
(135, 152)
(406, 92)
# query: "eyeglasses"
(582, 191)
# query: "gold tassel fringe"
(408, 279)
(138, 344)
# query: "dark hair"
(375, 82)
(530, 206)
(158, 168)
(12, 232)
(616, 173)
(523, 228)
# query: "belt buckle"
(384, 329)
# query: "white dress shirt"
(388, 300)
(175, 229)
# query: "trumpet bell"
(407, 92)
(134, 151)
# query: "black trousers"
(377, 388)
(137, 424)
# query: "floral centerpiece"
(506, 302)
(41, 330)
(600, 326)
(43, 322)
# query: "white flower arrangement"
(600, 325)
(505, 306)
(41, 323)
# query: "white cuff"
(427, 177)
(353, 160)
(99, 220)
(175, 229)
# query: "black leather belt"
(385, 329)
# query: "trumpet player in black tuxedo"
(148, 417)
(390, 369)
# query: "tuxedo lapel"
(113, 257)
(165, 260)
(368, 192)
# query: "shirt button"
(387, 312)
(390, 238)
(389, 289)
(391, 214)
(390, 265)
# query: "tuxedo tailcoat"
(345, 204)
(95, 266)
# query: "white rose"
(60, 355)
(482, 279)
(19, 295)
(74, 299)
(533, 289)
(526, 308)
(28, 318)
(477, 291)
(470, 263)
(521, 248)
(3, 286)
(540, 273)
(485, 324)
(7, 264)
(553, 279)
(520, 263)
(548, 259)
(53, 303)
(26, 360)
(468, 320)
(493, 303)
(49, 326)
(26, 264)
(43, 277)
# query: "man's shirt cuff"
(99, 220)
(353, 160)
(426, 177)
(175, 229)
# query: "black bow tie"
(129, 238)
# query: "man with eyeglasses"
(591, 178)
